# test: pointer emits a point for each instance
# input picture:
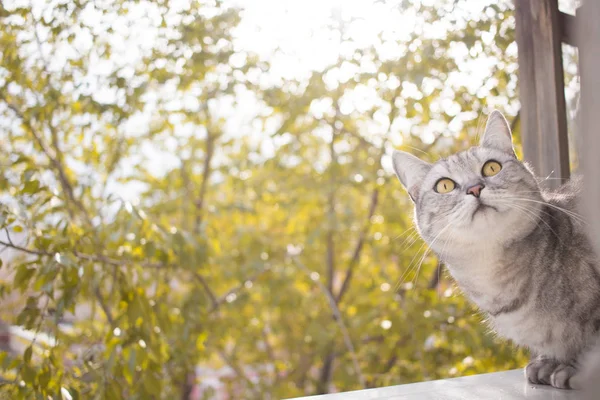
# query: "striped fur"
(519, 252)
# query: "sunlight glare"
(314, 33)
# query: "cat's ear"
(497, 134)
(410, 170)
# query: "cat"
(519, 252)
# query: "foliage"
(286, 266)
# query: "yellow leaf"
(200, 342)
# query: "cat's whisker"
(440, 257)
(408, 269)
(410, 266)
(413, 241)
(533, 217)
(569, 213)
(410, 242)
(420, 265)
(419, 150)
(410, 239)
(513, 199)
(411, 229)
(414, 236)
(424, 256)
(510, 203)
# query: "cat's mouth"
(482, 209)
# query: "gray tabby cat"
(519, 252)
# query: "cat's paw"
(539, 370)
(565, 377)
(545, 371)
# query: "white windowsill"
(509, 385)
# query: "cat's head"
(481, 195)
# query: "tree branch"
(236, 368)
(302, 368)
(361, 239)
(389, 364)
(186, 205)
(207, 289)
(325, 375)
(104, 306)
(235, 290)
(55, 159)
(206, 172)
(363, 341)
(270, 352)
(215, 302)
(338, 318)
(331, 216)
(359, 246)
(8, 236)
(87, 257)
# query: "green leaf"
(27, 355)
(129, 372)
(22, 159)
(23, 275)
(152, 384)
(113, 390)
(28, 374)
(31, 187)
(44, 378)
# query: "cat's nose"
(475, 190)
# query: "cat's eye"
(444, 185)
(491, 168)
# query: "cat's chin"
(483, 210)
(478, 222)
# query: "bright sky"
(302, 29)
(297, 37)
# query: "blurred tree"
(71, 93)
(295, 268)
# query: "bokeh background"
(197, 200)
